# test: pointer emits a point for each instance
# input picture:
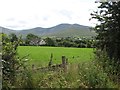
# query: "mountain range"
(61, 30)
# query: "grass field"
(40, 56)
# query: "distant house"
(34, 41)
(42, 42)
(37, 42)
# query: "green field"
(40, 56)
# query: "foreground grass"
(82, 75)
(40, 56)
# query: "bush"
(110, 66)
(12, 65)
(93, 76)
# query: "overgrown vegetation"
(78, 76)
(108, 38)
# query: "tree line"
(34, 40)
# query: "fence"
(55, 67)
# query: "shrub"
(110, 66)
(93, 76)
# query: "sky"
(25, 14)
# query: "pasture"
(40, 55)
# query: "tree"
(31, 38)
(13, 37)
(108, 38)
(49, 42)
(109, 29)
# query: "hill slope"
(61, 30)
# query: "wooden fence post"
(33, 66)
(64, 63)
(50, 62)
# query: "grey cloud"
(10, 19)
(66, 13)
(15, 26)
(22, 22)
(45, 18)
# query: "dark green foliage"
(109, 29)
(12, 65)
(108, 38)
(9, 58)
(31, 36)
(75, 42)
(13, 37)
(49, 42)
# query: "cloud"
(22, 14)
(10, 19)
(66, 13)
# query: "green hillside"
(61, 30)
(74, 33)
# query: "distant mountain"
(61, 30)
(7, 31)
